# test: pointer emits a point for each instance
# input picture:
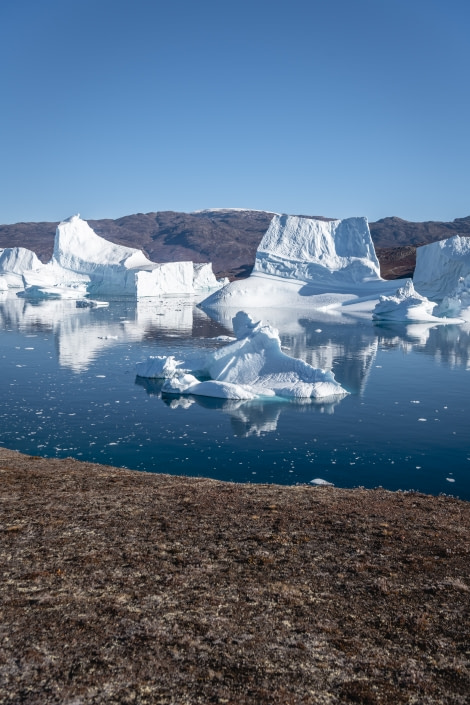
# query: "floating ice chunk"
(253, 365)
(256, 360)
(406, 305)
(91, 303)
(158, 367)
(320, 481)
(52, 292)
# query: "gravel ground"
(128, 587)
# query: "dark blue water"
(68, 388)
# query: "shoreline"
(124, 586)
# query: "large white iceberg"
(308, 262)
(338, 252)
(251, 367)
(85, 263)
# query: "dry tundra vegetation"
(128, 587)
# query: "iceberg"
(405, 305)
(336, 252)
(457, 302)
(83, 263)
(308, 262)
(443, 268)
(158, 367)
(14, 261)
(253, 366)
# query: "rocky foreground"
(128, 587)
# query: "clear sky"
(333, 107)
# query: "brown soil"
(127, 587)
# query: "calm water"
(68, 388)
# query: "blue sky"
(337, 108)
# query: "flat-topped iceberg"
(83, 263)
(335, 252)
(253, 366)
(308, 262)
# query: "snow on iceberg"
(308, 262)
(251, 367)
(85, 263)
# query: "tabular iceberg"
(308, 262)
(337, 252)
(85, 263)
(251, 367)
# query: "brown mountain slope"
(229, 238)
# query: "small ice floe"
(406, 305)
(91, 303)
(321, 481)
(158, 367)
(450, 479)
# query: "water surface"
(68, 388)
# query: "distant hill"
(229, 238)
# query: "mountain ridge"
(229, 237)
